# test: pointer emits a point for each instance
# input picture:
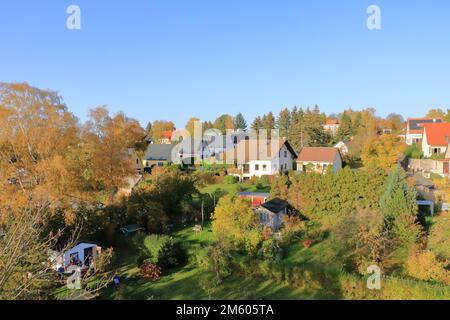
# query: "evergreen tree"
(257, 124)
(284, 123)
(345, 132)
(399, 198)
(239, 122)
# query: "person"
(60, 273)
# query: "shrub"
(162, 250)
(230, 180)
(424, 265)
(171, 253)
(151, 272)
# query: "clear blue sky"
(171, 59)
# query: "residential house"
(256, 198)
(443, 165)
(158, 155)
(319, 160)
(271, 213)
(343, 147)
(167, 137)
(332, 126)
(436, 137)
(414, 129)
(254, 158)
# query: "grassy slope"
(185, 283)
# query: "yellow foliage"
(235, 223)
(424, 265)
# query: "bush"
(171, 254)
(151, 272)
(162, 250)
(230, 180)
(424, 265)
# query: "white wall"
(427, 149)
(78, 249)
(412, 137)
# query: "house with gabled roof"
(258, 158)
(319, 160)
(271, 213)
(436, 137)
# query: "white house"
(81, 254)
(255, 158)
(319, 160)
(436, 137)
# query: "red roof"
(438, 134)
(168, 134)
(310, 154)
(332, 121)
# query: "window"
(285, 154)
(137, 161)
(264, 167)
(436, 151)
(256, 167)
(235, 140)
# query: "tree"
(284, 123)
(111, 137)
(36, 132)
(190, 126)
(239, 122)
(148, 128)
(236, 224)
(436, 113)
(399, 206)
(257, 125)
(345, 132)
(223, 123)
(384, 152)
(159, 128)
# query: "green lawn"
(234, 188)
(185, 283)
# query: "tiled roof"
(332, 122)
(318, 154)
(438, 134)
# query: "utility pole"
(203, 214)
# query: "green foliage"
(163, 250)
(230, 180)
(328, 197)
(239, 122)
(399, 207)
(439, 238)
(414, 151)
(346, 130)
(236, 225)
